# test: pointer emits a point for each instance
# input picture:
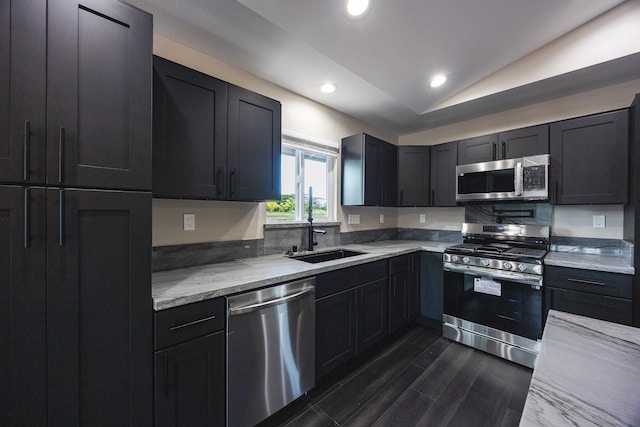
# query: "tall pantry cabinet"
(75, 213)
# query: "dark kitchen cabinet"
(23, 333)
(479, 149)
(190, 365)
(98, 95)
(443, 174)
(208, 135)
(590, 159)
(601, 295)
(254, 145)
(98, 307)
(369, 171)
(431, 288)
(190, 132)
(403, 290)
(414, 166)
(351, 313)
(23, 53)
(529, 141)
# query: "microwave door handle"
(518, 179)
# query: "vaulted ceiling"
(497, 54)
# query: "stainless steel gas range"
(493, 289)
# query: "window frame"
(301, 145)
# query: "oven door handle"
(525, 279)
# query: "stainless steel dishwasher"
(270, 350)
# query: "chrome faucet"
(312, 231)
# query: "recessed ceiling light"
(356, 8)
(328, 87)
(438, 80)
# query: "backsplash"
(509, 213)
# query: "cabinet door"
(398, 315)
(23, 376)
(388, 169)
(23, 41)
(443, 174)
(414, 164)
(335, 331)
(528, 141)
(254, 145)
(373, 188)
(99, 307)
(431, 288)
(99, 76)
(589, 159)
(372, 313)
(189, 132)
(190, 383)
(478, 149)
(611, 309)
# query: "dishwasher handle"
(248, 308)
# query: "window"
(304, 166)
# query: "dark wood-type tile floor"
(419, 379)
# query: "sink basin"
(315, 258)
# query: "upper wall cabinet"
(189, 132)
(23, 67)
(213, 140)
(511, 144)
(369, 171)
(589, 159)
(98, 95)
(414, 165)
(443, 174)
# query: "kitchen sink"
(315, 258)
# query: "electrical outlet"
(381, 218)
(598, 221)
(353, 219)
(189, 222)
(423, 218)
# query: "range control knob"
(466, 260)
(507, 265)
(522, 267)
(485, 262)
(454, 258)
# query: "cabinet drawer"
(601, 307)
(372, 271)
(180, 324)
(595, 282)
(335, 281)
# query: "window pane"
(315, 175)
(285, 209)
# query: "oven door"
(502, 300)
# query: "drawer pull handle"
(195, 322)
(586, 282)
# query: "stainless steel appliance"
(525, 178)
(493, 289)
(270, 350)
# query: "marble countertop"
(589, 262)
(588, 374)
(186, 285)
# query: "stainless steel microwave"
(524, 178)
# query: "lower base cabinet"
(190, 365)
(432, 287)
(596, 294)
(404, 289)
(351, 313)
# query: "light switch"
(353, 219)
(189, 222)
(423, 218)
(381, 218)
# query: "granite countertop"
(186, 285)
(589, 262)
(588, 373)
